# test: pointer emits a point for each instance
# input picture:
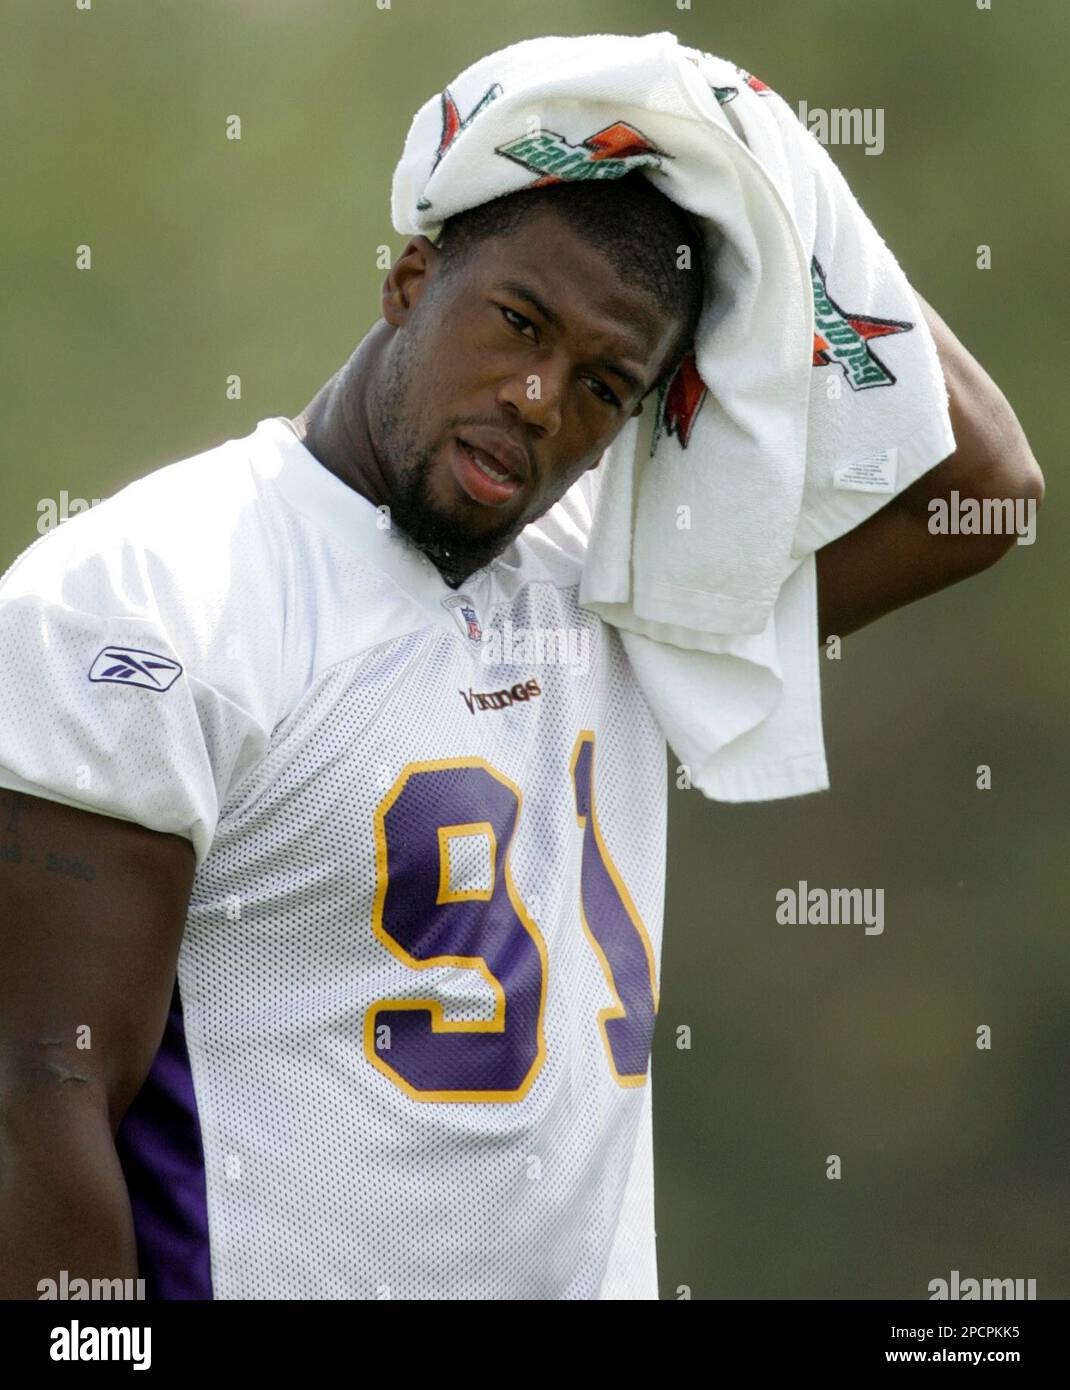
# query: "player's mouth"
(487, 477)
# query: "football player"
(334, 828)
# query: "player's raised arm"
(897, 556)
(91, 916)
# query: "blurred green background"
(213, 257)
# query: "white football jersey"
(407, 1055)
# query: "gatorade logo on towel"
(843, 338)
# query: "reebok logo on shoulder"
(129, 666)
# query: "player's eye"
(609, 397)
(519, 321)
(506, 311)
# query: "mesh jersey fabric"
(408, 1050)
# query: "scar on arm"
(59, 1069)
(62, 1073)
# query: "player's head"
(536, 324)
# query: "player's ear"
(407, 279)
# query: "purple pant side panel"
(160, 1149)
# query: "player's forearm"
(891, 560)
(902, 553)
(63, 1200)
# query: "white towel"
(813, 393)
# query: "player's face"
(532, 350)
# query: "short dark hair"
(633, 224)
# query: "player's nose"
(536, 396)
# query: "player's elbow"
(1015, 473)
(1030, 481)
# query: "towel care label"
(873, 472)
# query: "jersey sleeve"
(140, 664)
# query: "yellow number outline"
(616, 1010)
(440, 1024)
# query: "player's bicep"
(92, 911)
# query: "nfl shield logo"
(465, 615)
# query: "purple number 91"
(422, 918)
